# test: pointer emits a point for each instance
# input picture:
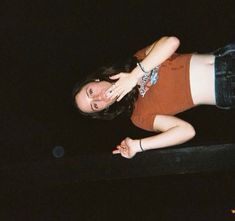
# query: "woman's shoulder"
(142, 53)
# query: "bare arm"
(174, 131)
(157, 53)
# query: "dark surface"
(178, 197)
(97, 167)
(46, 46)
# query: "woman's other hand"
(128, 148)
(126, 82)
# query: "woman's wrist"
(139, 145)
(142, 68)
(138, 73)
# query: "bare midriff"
(202, 84)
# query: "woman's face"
(92, 97)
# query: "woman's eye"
(96, 106)
(90, 91)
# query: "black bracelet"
(142, 69)
(141, 146)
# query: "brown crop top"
(169, 96)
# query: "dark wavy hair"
(126, 105)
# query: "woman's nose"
(97, 97)
(100, 97)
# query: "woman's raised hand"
(128, 148)
(126, 82)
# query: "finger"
(119, 147)
(109, 93)
(116, 76)
(123, 143)
(109, 90)
(112, 94)
(121, 96)
(124, 150)
(116, 151)
(126, 141)
(116, 93)
(113, 91)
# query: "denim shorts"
(225, 77)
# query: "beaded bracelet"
(151, 76)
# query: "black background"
(46, 47)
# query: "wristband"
(141, 146)
(142, 68)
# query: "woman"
(155, 85)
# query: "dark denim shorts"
(225, 76)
